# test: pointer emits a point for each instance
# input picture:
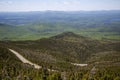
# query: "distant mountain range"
(36, 25)
(81, 17)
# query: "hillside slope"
(58, 52)
(64, 49)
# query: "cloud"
(66, 3)
(71, 2)
(9, 2)
(5, 2)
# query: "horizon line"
(62, 10)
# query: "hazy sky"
(59, 5)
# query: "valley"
(36, 25)
(60, 45)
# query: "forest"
(57, 53)
(68, 45)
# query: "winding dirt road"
(76, 64)
(24, 60)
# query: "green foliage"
(57, 53)
(36, 25)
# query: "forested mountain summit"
(59, 53)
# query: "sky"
(58, 5)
